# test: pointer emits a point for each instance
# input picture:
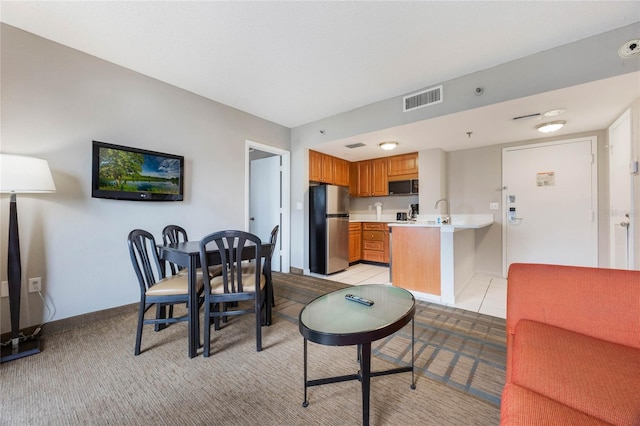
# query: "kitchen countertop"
(431, 224)
(461, 221)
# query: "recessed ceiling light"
(551, 126)
(389, 145)
(554, 112)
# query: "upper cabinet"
(368, 178)
(327, 169)
(379, 177)
(353, 179)
(340, 171)
(372, 178)
(315, 166)
(405, 166)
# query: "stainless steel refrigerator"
(328, 228)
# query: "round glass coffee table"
(333, 320)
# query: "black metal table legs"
(364, 375)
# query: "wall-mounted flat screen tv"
(125, 173)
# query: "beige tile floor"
(484, 293)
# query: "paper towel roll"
(378, 212)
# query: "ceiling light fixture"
(550, 126)
(389, 145)
(554, 112)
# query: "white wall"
(55, 101)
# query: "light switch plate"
(4, 289)
(494, 206)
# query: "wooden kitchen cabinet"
(353, 179)
(325, 168)
(328, 173)
(379, 184)
(364, 178)
(372, 178)
(375, 242)
(403, 166)
(355, 242)
(315, 166)
(340, 172)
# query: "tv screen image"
(126, 173)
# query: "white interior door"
(550, 203)
(265, 201)
(620, 194)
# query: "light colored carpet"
(89, 376)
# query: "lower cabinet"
(355, 242)
(375, 242)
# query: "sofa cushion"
(599, 378)
(599, 302)
(522, 406)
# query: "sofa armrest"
(598, 302)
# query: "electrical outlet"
(4, 289)
(494, 206)
(35, 285)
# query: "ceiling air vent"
(422, 99)
(526, 117)
(355, 145)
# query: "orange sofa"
(573, 346)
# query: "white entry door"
(265, 201)
(550, 203)
(620, 194)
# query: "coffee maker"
(415, 211)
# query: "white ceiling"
(300, 61)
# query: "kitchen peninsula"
(435, 261)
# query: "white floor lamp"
(20, 174)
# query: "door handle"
(252, 218)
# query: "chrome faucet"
(445, 218)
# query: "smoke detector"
(629, 49)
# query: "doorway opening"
(267, 195)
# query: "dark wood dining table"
(187, 254)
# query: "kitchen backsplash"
(390, 205)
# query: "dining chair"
(173, 234)
(223, 294)
(248, 268)
(155, 287)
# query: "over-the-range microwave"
(403, 187)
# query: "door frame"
(625, 116)
(285, 193)
(594, 192)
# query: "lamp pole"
(14, 271)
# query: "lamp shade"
(21, 174)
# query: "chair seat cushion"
(590, 375)
(172, 286)
(250, 268)
(214, 271)
(248, 283)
